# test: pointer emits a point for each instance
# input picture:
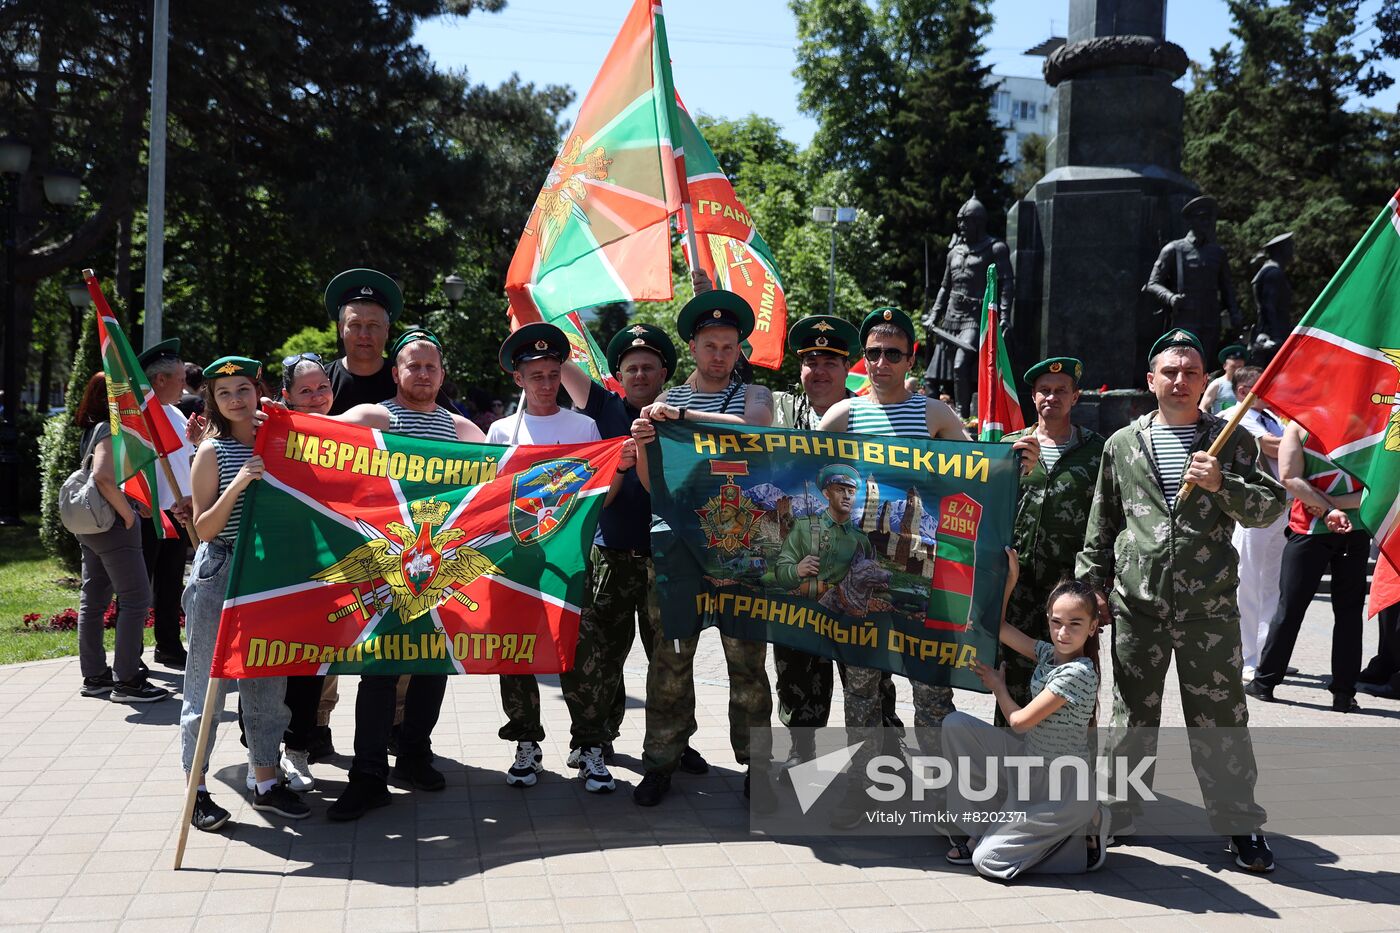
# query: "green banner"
(883, 552)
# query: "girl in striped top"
(1047, 833)
(224, 467)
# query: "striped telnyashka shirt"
(907, 419)
(434, 425)
(231, 456)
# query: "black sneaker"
(172, 659)
(420, 774)
(1260, 692)
(360, 796)
(653, 788)
(208, 815)
(282, 801)
(101, 685)
(527, 765)
(1345, 703)
(320, 746)
(1252, 852)
(692, 762)
(137, 691)
(597, 779)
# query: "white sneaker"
(528, 763)
(596, 777)
(296, 771)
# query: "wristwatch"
(680, 412)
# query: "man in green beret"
(623, 580)
(887, 340)
(165, 557)
(1220, 393)
(1171, 571)
(818, 552)
(417, 372)
(713, 323)
(1053, 509)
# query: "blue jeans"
(265, 713)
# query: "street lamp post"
(834, 216)
(14, 162)
(454, 287)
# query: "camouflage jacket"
(794, 410)
(1177, 564)
(1054, 510)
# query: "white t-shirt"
(179, 460)
(562, 427)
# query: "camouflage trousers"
(671, 699)
(864, 691)
(1209, 669)
(805, 686)
(1026, 613)
(623, 600)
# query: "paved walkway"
(90, 793)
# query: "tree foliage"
(1275, 130)
(904, 105)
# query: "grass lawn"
(31, 581)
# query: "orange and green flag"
(600, 229)
(998, 411)
(141, 432)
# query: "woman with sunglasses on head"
(224, 467)
(305, 388)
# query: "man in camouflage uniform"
(622, 580)
(1053, 510)
(1173, 577)
(824, 343)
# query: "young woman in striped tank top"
(223, 469)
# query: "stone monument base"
(1106, 412)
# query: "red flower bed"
(67, 620)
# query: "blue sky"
(727, 70)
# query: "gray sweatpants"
(112, 560)
(1050, 838)
(265, 713)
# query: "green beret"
(233, 366)
(641, 337)
(1176, 337)
(537, 341)
(716, 307)
(1056, 364)
(1234, 351)
(166, 349)
(410, 336)
(838, 473)
(823, 333)
(363, 285)
(887, 315)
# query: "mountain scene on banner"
(894, 501)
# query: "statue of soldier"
(1191, 279)
(958, 307)
(1273, 297)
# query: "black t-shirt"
(626, 524)
(351, 390)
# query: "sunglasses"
(890, 354)
(293, 360)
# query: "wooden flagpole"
(1245, 404)
(213, 703)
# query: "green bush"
(319, 340)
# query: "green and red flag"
(1338, 374)
(600, 229)
(362, 551)
(908, 536)
(584, 351)
(998, 411)
(141, 431)
(730, 249)
(858, 378)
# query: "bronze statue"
(1191, 279)
(957, 311)
(1273, 297)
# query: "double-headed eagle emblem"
(419, 570)
(563, 193)
(1392, 430)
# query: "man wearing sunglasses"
(887, 342)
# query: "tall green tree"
(1277, 131)
(904, 104)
